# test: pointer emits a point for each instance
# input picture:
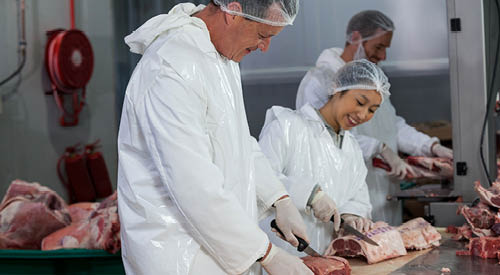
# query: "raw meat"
(28, 213)
(329, 265)
(452, 229)
(419, 234)
(440, 165)
(390, 244)
(462, 232)
(101, 230)
(423, 167)
(445, 269)
(490, 196)
(484, 247)
(480, 218)
(82, 210)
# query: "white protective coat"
(191, 180)
(302, 152)
(385, 126)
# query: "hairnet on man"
(368, 36)
(192, 182)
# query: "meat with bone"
(419, 234)
(480, 218)
(391, 244)
(440, 165)
(463, 232)
(101, 230)
(28, 213)
(423, 167)
(490, 196)
(329, 265)
(484, 247)
(82, 210)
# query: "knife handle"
(333, 220)
(302, 244)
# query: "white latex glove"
(290, 222)
(441, 151)
(399, 168)
(324, 208)
(360, 223)
(279, 262)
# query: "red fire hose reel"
(69, 62)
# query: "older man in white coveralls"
(192, 182)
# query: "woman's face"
(354, 107)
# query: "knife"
(351, 230)
(303, 245)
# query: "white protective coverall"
(302, 152)
(385, 126)
(191, 179)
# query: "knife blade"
(351, 230)
(303, 245)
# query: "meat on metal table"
(429, 262)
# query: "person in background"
(319, 160)
(191, 180)
(369, 34)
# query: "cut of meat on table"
(480, 218)
(490, 196)
(484, 247)
(101, 230)
(28, 213)
(419, 234)
(329, 265)
(463, 232)
(391, 245)
(445, 270)
(82, 210)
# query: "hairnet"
(370, 24)
(362, 75)
(271, 12)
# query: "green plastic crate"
(62, 261)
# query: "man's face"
(375, 49)
(246, 36)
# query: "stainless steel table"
(444, 256)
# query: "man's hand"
(441, 151)
(289, 221)
(325, 208)
(279, 262)
(399, 168)
(361, 224)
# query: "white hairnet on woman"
(319, 160)
(280, 13)
(369, 34)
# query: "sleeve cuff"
(426, 150)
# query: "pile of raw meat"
(423, 167)
(483, 224)
(327, 265)
(35, 217)
(392, 242)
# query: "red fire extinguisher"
(77, 180)
(97, 170)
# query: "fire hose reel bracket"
(69, 61)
